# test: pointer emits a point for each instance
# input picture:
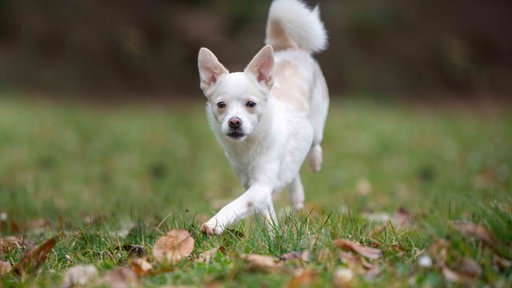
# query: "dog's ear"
(261, 66)
(210, 69)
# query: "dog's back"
(296, 32)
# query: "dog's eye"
(250, 104)
(221, 104)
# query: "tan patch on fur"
(290, 85)
(280, 40)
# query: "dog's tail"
(291, 25)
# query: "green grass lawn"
(101, 177)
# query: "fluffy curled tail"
(292, 25)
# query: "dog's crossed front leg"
(258, 198)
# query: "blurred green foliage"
(150, 47)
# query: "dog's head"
(237, 100)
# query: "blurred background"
(141, 48)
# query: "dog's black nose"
(235, 122)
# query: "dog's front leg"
(268, 215)
(255, 199)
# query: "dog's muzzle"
(235, 128)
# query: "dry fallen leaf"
(350, 259)
(141, 266)
(304, 255)
(501, 263)
(79, 275)
(371, 253)
(302, 277)
(33, 259)
(173, 247)
(469, 267)
(453, 276)
(206, 256)
(401, 219)
(5, 267)
(372, 272)
(474, 231)
(121, 277)
(37, 226)
(262, 262)
(438, 251)
(10, 243)
(360, 265)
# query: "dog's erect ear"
(261, 66)
(210, 69)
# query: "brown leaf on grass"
(401, 219)
(7, 222)
(501, 263)
(79, 275)
(263, 263)
(350, 259)
(303, 255)
(371, 271)
(141, 266)
(5, 267)
(371, 253)
(173, 247)
(37, 226)
(474, 231)
(439, 252)
(360, 265)
(15, 228)
(455, 277)
(10, 243)
(206, 256)
(33, 259)
(302, 277)
(121, 277)
(469, 267)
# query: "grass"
(103, 177)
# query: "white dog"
(269, 117)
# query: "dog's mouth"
(236, 134)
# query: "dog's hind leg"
(319, 107)
(296, 193)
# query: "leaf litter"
(33, 259)
(173, 247)
(474, 231)
(79, 275)
(368, 252)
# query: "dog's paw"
(298, 206)
(209, 229)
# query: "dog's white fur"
(269, 117)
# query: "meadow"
(418, 183)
